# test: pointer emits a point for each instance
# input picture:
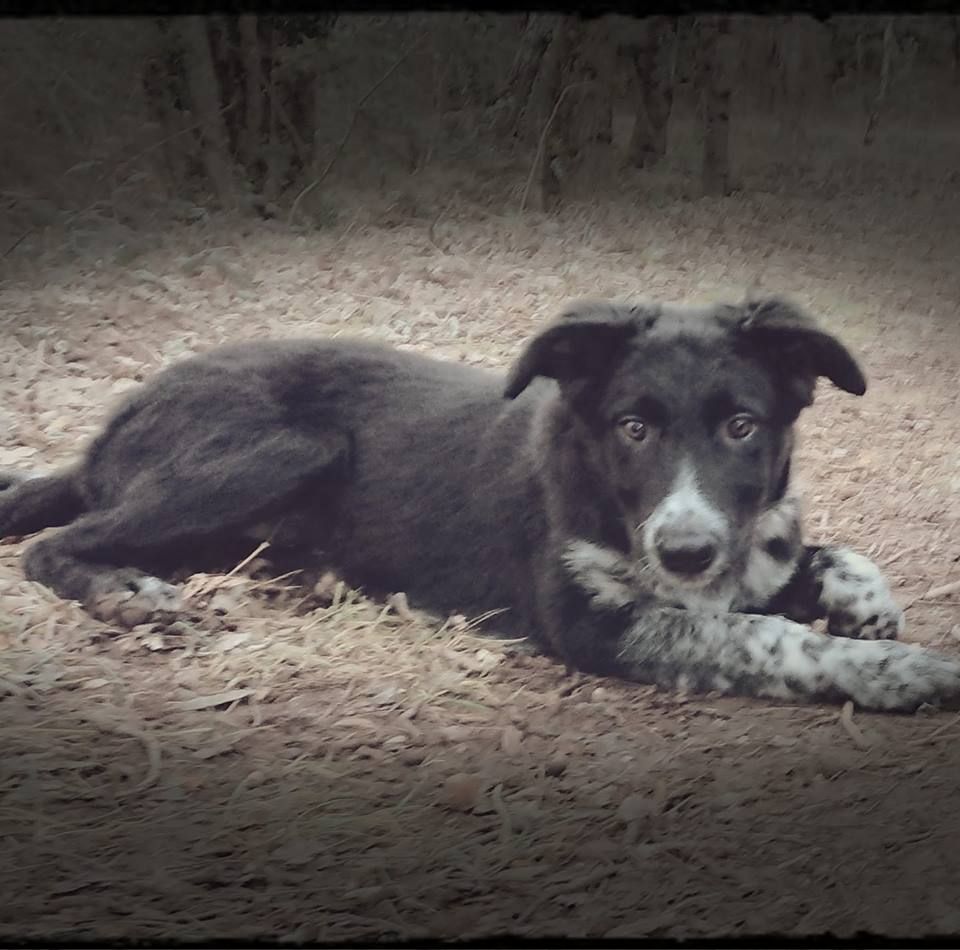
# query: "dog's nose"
(688, 559)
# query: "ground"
(360, 772)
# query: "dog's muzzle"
(686, 536)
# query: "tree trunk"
(956, 47)
(653, 57)
(204, 93)
(253, 90)
(163, 89)
(546, 86)
(518, 89)
(585, 127)
(542, 113)
(889, 47)
(271, 185)
(715, 104)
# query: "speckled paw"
(856, 598)
(129, 598)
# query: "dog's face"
(685, 416)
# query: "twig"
(542, 143)
(346, 135)
(432, 231)
(242, 564)
(942, 591)
(17, 243)
(852, 729)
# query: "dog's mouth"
(692, 581)
(617, 580)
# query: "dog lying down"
(621, 496)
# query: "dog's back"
(422, 466)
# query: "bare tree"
(886, 60)
(517, 91)
(653, 57)
(164, 89)
(547, 97)
(548, 80)
(251, 54)
(205, 95)
(955, 46)
(715, 81)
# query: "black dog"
(625, 503)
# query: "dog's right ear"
(584, 340)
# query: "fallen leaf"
(217, 699)
(511, 740)
(297, 852)
(231, 640)
(634, 807)
(463, 790)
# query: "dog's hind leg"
(30, 503)
(166, 515)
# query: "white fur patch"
(158, 594)
(603, 573)
(717, 599)
(765, 576)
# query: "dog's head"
(683, 417)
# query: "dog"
(621, 496)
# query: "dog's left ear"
(584, 341)
(796, 343)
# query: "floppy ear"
(794, 343)
(584, 341)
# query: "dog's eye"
(741, 426)
(634, 428)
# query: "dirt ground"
(359, 772)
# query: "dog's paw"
(896, 677)
(129, 598)
(855, 596)
(604, 574)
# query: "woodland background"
(122, 117)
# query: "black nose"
(687, 559)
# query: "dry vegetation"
(276, 767)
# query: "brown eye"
(741, 426)
(634, 428)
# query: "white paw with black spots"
(128, 598)
(604, 574)
(855, 597)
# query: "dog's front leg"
(771, 656)
(599, 624)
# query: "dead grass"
(275, 769)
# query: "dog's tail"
(30, 503)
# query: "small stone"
(556, 766)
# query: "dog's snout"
(688, 557)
